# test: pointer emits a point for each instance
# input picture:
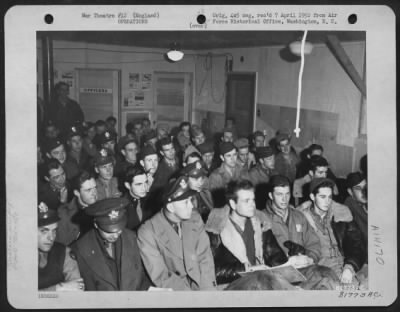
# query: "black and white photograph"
(222, 159)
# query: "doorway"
(240, 100)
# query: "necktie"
(109, 248)
(139, 210)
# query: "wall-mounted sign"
(96, 90)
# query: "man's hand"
(300, 261)
(63, 195)
(294, 248)
(150, 180)
(73, 285)
(347, 275)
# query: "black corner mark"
(352, 18)
(201, 19)
(48, 18)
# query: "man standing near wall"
(64, 111)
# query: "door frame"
(255, 74)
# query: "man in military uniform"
(197, 181)
(296, 236)
(74, 222)
(101, 127)
(207, 152)
(240, 235)
(150, 138)
(108, 255)
(55, 191)
(245, 159)
(76, 152)
(286, 160)
(64, 111)
(228, 171)
(108, 141)
(342, 247)
(54, 148)
(265, 167)
(136, 183)
(169, 164)
(129, 148)
(149, 162)
(107, 184)
(174, 246)
(57, 270)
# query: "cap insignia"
(43, 207)
(73, 129)
(113, 214)
(183, 184)
(107, 134)
(198, 166)
(103, 152)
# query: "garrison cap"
(124, 141)
(109, 214)
(178, 190)
(315, 183)
(205, 148)
(282, 136)
(226, 147)
(241, 143)
(147, 150)
(46, 216)
(354, 178)
(150, 135)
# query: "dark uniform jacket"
(165, 172)
(51, 196)
(204, 204)
(52, 273)
(66, 116)
(84, 162)
(96, 273)
(360, 216)
(229, 250)
(133, 218)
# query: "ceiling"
(199, 40)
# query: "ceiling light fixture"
(174, 54)
(295, 47)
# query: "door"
(240, 101)
(172, 98)
(98, 93)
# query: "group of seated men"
(178, 211)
